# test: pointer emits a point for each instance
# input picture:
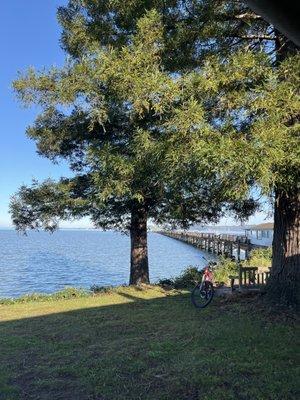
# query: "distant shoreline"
(192, 228)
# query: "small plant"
(97, 289)
(166, 283)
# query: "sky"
(30, 37)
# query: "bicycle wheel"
(201, 297)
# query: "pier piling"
(226, 245)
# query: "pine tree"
(256, 115)
(125, 125)
(267, 116)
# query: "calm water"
(46, 263)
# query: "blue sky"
(30, 37)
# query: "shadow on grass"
(145, 349)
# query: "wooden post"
(247, 253)
(240, 277)
(238, 251)
(226, 249)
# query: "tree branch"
(247, 15)
(256, 37)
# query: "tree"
(218, 56)
(264, 110)
(125, 125)
(227, 29)
(257, 113)
(193, 31)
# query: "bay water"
(45, 263)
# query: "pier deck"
(224, 244)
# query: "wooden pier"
(226, 245)
(248, 278)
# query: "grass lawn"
(145, 344)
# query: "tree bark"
(139, 267)
(283, 286)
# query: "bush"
(224, 269)
(261, 258)
(187, 279)
(101, 289)
(166, 282)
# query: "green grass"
(67, 293)
(144, 344)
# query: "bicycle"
(203, 292)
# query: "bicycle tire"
(194, 295)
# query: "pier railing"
(223, 244)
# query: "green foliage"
(261, 258)
(224, 269)
(146, 126)
(260, 104)
(187, 279)
(134, 137)
(193, 28)
(97, 289)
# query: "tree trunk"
(283, 286)
(139, 268)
